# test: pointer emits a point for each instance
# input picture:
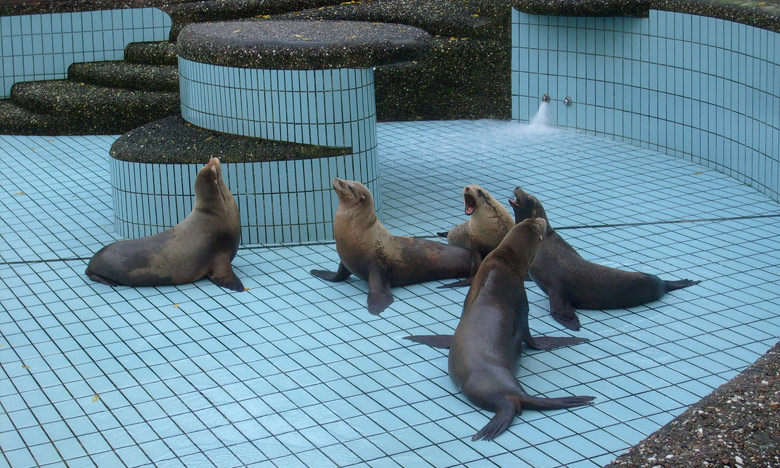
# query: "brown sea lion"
(492, 328)
(488, 223)
(369, 251)
(572, 282)
(203, 244)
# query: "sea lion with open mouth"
(371, 253)
(488, 223)
(572, 282)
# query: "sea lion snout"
(471, 195)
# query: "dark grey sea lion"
(492, 329)
(202, 245)
(572, 282)
(369, 251)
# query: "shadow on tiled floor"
(296, 371)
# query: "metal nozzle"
(546, 98)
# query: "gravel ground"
(738, 425)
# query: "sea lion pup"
(492, 329)
(572, 282)
(384, 260)
(202, 244)
(488, 223)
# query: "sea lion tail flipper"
(506, 408)
(547, 343)
(100, 279)
(379, 295)
(536, 403)
(443, 234)
(457, 284)
(222, 275)
(435, 341)
(679, 284)
(339, 275)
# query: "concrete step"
(201, 11)
(153, 53)
(91, 109)
(120, 74)
(16, 120)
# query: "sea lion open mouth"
(471, 204)
(513, 202)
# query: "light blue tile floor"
(297, 372)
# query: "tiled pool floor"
(296, 371)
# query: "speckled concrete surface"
(121, 74)
(174, 140)
(90, 109)
(302, 45)
(737, 425)
(27, 7)
(153, 53)
(221, 10)
(760, 13)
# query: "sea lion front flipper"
(222, 275)
(547, 343)
(539, 342)
(379, 295)
(435, 341)
(339, 275)
(563, 312)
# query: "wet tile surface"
(296, 371)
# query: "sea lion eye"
(480, 193)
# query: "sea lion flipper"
(101, 279)
(505, 413)
(222, 275)
(339, 275)
(547, 343)
(435, 341)
(563, 312)
(379, 295)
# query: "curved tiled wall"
(281, 202)
(43, 46)
(704, 89)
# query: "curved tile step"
(153, 53)
(95, 109)
(120, 74)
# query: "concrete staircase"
(465, 76)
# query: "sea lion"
(202, 244)
(572, 282)
(488, 223)
(371, 253)
(492, 329)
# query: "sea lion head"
(522, 241)
(475, 197)
(352, 193)
(527, 206)
(211, 193)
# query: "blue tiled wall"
(281, 202)
(293, 201)
(704, 89)
(42, 47)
